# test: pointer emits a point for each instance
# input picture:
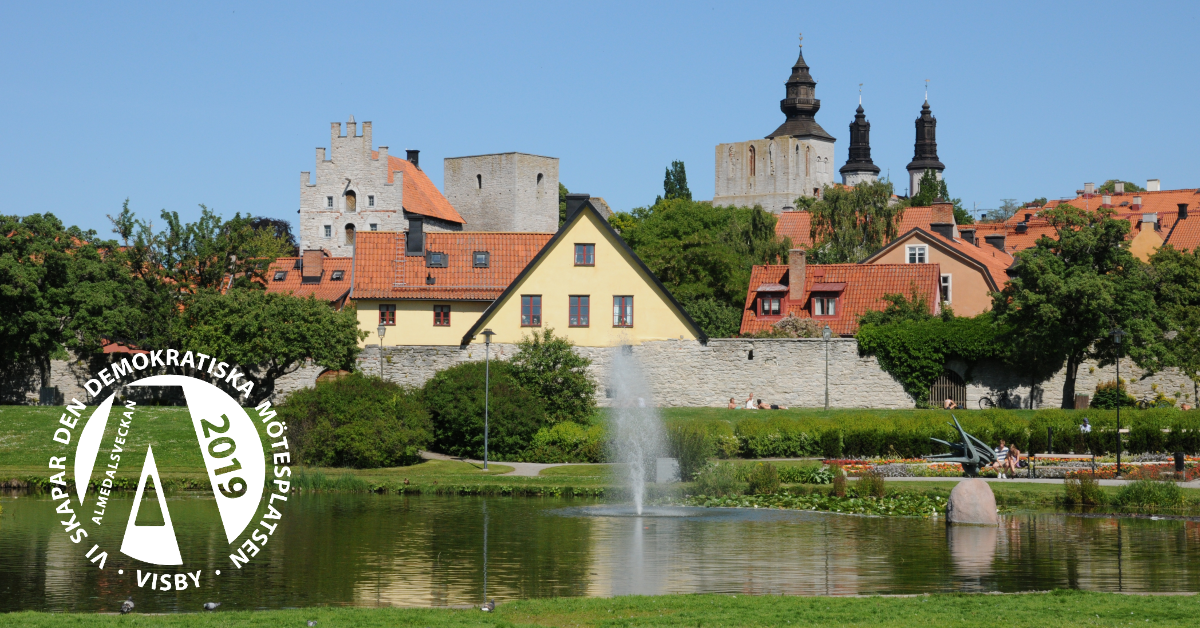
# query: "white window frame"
(947, 287)
(328, 232)
(370, 200)
(374, 226)
(329, 202)
(917, 254)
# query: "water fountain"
(638, 438)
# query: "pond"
(369, 550)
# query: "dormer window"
(770, 304)
(337, 275)
(280, 275)
(482, 259)
(824, 305)
(436, 260)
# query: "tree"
(931, 188)
(1110, 187)
(1070, 292)
(914, 308)
(546, 366)
(1008, 208)
(675, 183)
(562, 203)
(849, 224)
(1176, 279)
(271, 331)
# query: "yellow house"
(589, 286)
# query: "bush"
(1081, 489)
(691, 445)
(871, 483)
(1149, 495)
(726, 446)
(805, 474)
(357, 421)
(566, 442)
(547, 367)
(455, 400)
(839, 480)
(763, 479)
(1110, 394)
(718, 479)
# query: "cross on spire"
(801, 40)
(926, 90)
(860, 93)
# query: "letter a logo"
(154, 544)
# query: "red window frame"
(387, 314)
(579, 311)
(623, 311)
(828, 297)
(531, 310)
(441, 316)
(770, 304)
(585, 254)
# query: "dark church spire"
(925, 155)
(859, 166)
(800, 105)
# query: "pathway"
(520, 469)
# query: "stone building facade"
(504, 192)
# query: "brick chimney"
(1089, 189)
(797, 266)
(1182, 211)
(1137, 203)
(941, 219)
(413, 157)
(313, 263)
(1106, 200)
(1153, 185)
(1119, 187)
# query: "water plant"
(691, 445)
(871, 483)
(1082, 489)
(1149, 495)
(718, 479)
(811, 473)
(839, 480)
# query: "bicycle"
(987, 403)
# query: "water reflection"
(373, 550)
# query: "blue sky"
(223, 104)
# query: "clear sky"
(172, 105)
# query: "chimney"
(414, 243)
(797, 266)
(1089, 189)
(1153, 185)
(1119, 187)
(1028, 216)
(1137, 203)
(1182, 211)
(967, 235)
(941, 219)
(1150, 221)
(312, 264)
(1022, 227)
(995, 240)
(1106, 200)
(574, 202)
(411, 156)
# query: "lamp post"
(827, 333)
(487, 374)
(381, 330)
(1118, 334)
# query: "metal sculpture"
(971, 452)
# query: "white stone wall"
(854, 178)
(785, 168)
(990, 379)
(502, 192)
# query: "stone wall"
(784, 168)
(504, 192)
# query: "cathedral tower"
(859, 167)
(924, 151)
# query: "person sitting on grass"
(949, 404)
(750, 405)
(733, 404)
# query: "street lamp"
(381, 331)
(827, 333)
(1118, 334)
(487, 368)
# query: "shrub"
(455, 399)
(718, 479)
(796, 327)
(839, 480)
(1081, 489)
(726, 446)
(871, 483)
(357, 421)
(763, 479)
(805, 474)
(1110, 394)
(690, 444)
(1149, 495)
(547, 367)
(566, 442)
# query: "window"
(945, 288)
(337, 275)
(441, 316)
(483, 259)
(769, 305)
(329, 201)
(585, 254)
(622, 311)
(374, 226)
(479, 181)
(280, 275)
(350, 235)
(752, 165)
(824, 305)
(531, 310)
(579, 311)
(916, 255)
(539, 180)
(351, 201)
(328, 231)
(370, 200)
(436, 260)
(387, 315)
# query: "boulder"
(972, 503)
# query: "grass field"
(1058, 609)
(725, 414)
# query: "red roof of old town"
(421, 196)
(321, 285)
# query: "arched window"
(479, 181)
(807, 159)
(350, 234)
(351, 201)
(752, 164)
(539, 180)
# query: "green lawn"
(1039, 610)
(725, 414)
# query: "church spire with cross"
(925, 155)
(800, 104)
(859, 167)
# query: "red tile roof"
(421, 196)
(797, 225)
(382, 271)
(326, 289)
(865, 286)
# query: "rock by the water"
(972, 502)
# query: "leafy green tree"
(931, 188)
(1069, 292)
(1110, 187)
(849, 224)
(915, 308)
(60, 289)
(1008, 208)
(455, 399)
(675, 183)
(1176, 279)
(274, 332)
(546, 366)
(1039, 201)
(562, 203)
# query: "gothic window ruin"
(752, 164)
(351, 200)
(807, 159)
(350, 235)
(771, 158)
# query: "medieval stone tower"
(795, 160)
(504, 192)
(925, 155)
(859, 168)
(360, 188)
